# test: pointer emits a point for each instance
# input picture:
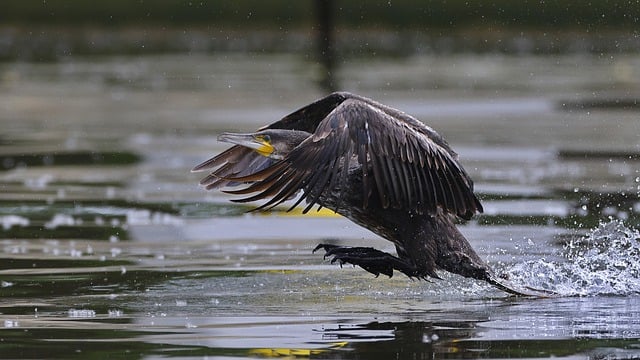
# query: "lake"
(111, 249)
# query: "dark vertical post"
(325, 19)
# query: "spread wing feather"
(239, 161)
(407, 163)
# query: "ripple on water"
(605, 262)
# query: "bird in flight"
(375, 165)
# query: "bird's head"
(272, 143)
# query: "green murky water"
(110, 249)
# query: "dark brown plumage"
(373, 164)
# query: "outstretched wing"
(406, 163)
(238, 161)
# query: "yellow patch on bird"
(266, 148)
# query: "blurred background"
(108, 246)
(326, 33)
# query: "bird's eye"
(266, 138)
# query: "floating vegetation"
(104, 219)
(599, 154)
(591, 104)
(11, 161)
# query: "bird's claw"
(370, 259)
(326, 247)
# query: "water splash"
(605, 262)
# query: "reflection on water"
(110, 249)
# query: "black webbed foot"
(519, 290)
(372, 260)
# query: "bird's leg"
(465, 264)
(374, 261)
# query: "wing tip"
(201, 167)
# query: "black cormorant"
(375, 165)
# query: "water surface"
(110, 248)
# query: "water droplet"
(602, 263)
